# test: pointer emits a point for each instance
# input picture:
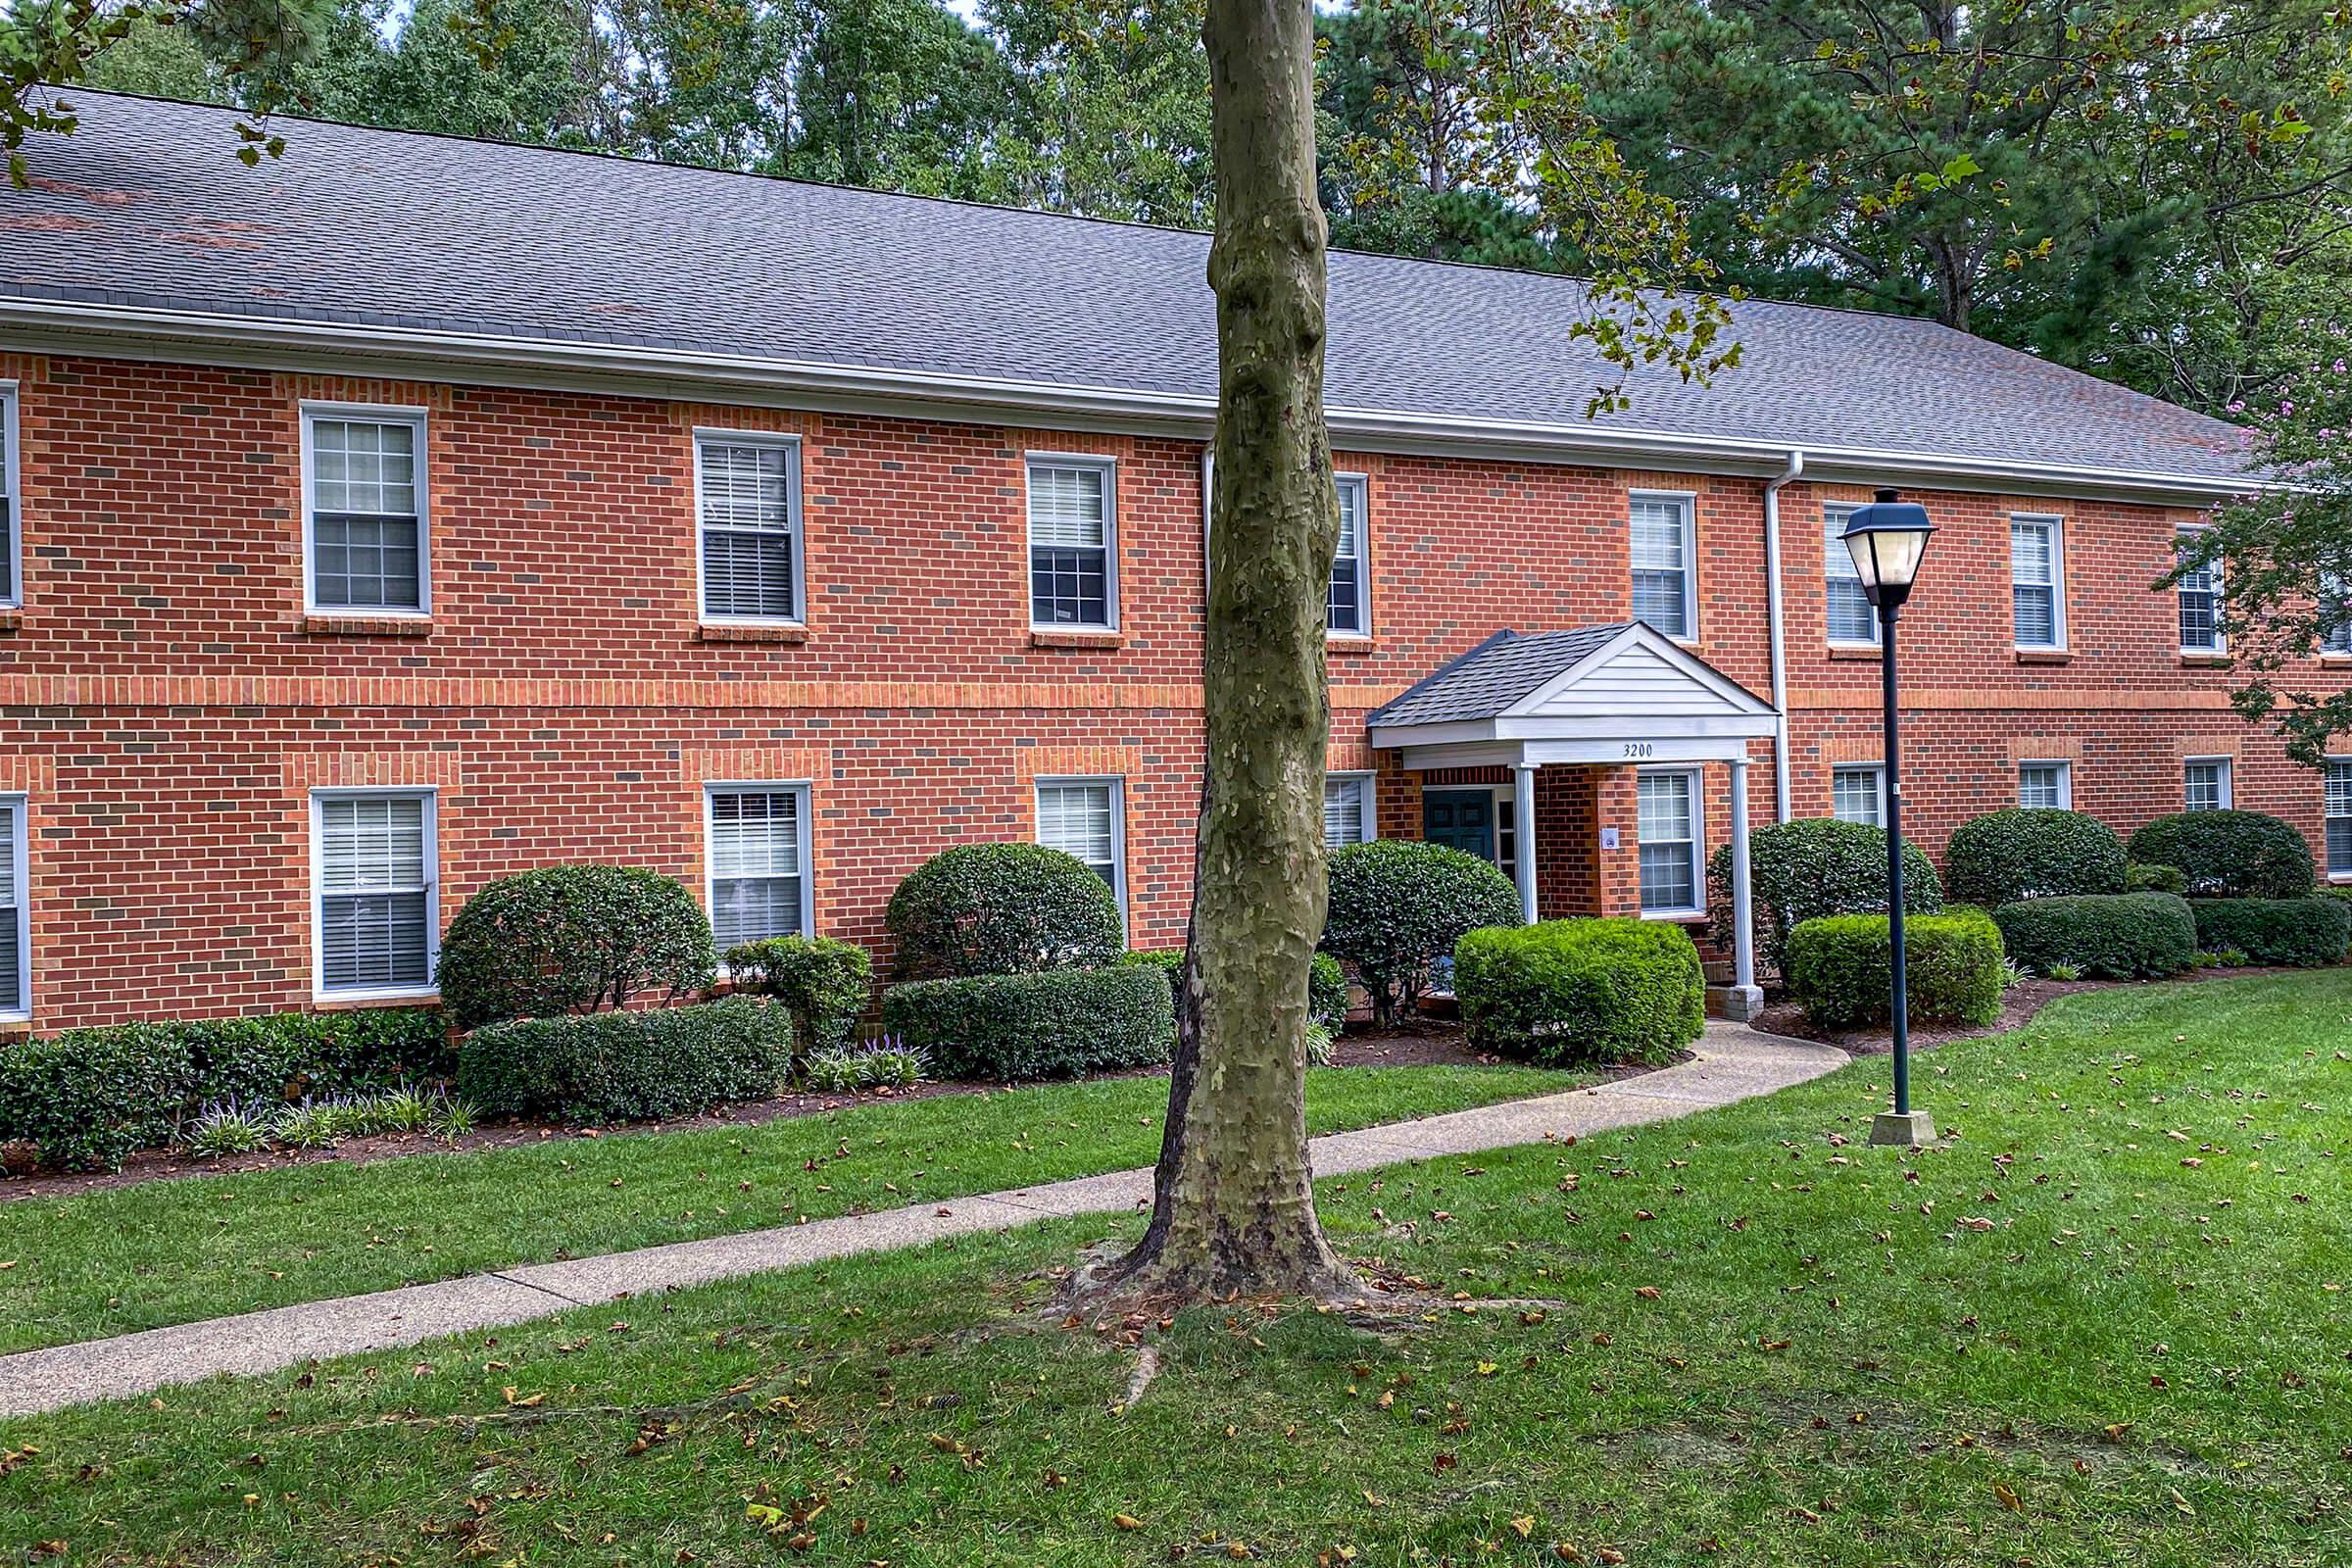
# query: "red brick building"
(409, 512)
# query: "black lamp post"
(1887, 540)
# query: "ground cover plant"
(2104, 1320)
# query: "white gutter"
(1775, 634)
(213, 337)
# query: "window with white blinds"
(1082, 818)
(1348, 815)
(11, 573)
(1855, 795)
(366, 506)
(1073, 575)
(1850, 615)
(16, 924)
(1347, 607)
(2046, 785)
(2338, 810)
(378, 895)
(1664, 593)
(2035, 582)
(2335, 620)
(759, 860)
(1666, 821)
(748, 500)
(2205, 784)
(2200, 602)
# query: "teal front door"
(1461, 819)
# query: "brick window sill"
(1077, 639)
(2044, 656)
(369, 625)
(11, 621)
(1864, 655)
(1350, 647)
(724, 632)
(2204, 661)
(388, 999)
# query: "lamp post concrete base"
(1909, 1129)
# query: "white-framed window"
(2205, 784)
(1858, 793)
(756, 863)
(1073, 544)
(366, 516)
(1667, 825)
(2200, 602)
(15, 909)
(2338, 811)
(1349, 817)
(11, 533)
(2335, 615)
(2037, 581)
(747, 503)
(1665, 551)
(1086, 820)
(1347, 607)
(1853, 621)
(2049, 785)
(375, 908)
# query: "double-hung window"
(2037, 582)
(1347, 606)
(2205, 784)
(12, 571)
(1083, 818)
(1667, 823)
(1857, 794)
(1852, 620)
(1348, 815)
(748, 503)
(757, 856)
(1664, 553)
(2048, 785)
(364, 511)
(2334, 615)
(2200, 597)
(2338, 812)
(1073, 544)
(377, 901)
(15, 922)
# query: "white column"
(1523, 781)
(1743, 921)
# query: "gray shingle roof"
(145, 206)
(1493, 676)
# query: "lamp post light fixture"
(1887, 540)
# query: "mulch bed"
(1431, 1044)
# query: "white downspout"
(1772, 619)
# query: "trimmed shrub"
(2032, 852)
(1397, 904)
(627, 1066)
(573, 939)
(1580, 991)
(2228, 855)
(1839, 968)
(1802, 871)
(2105, 936)
(2307, 933)
(822, 983)
(1003, 909)
(1167, 962)
(1052, 1024)
(1327, 992)
(90, 1097)
(2140, 877)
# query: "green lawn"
(2103, 1325)
(170, 1251)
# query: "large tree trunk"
(1234, 1207)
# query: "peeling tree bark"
(1233, 1210)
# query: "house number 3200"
(1638, 748)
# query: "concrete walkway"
(1731, 1064)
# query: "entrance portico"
(1606, 736)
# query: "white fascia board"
(1651, 727)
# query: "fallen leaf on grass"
(1126, 1520)
(2008, 1499)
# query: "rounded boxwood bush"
(1580, 991)
(1396, 904)
(604, 1068)
(2307, 933)
(1049, 1023)
(2106, 936)
(1003, 909)
(2144, 878)
(822, 983)
(2032, 852)
(1839, 968)
(1802, 871)
(573, 939)
(2228, 855)
(1326, 983)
